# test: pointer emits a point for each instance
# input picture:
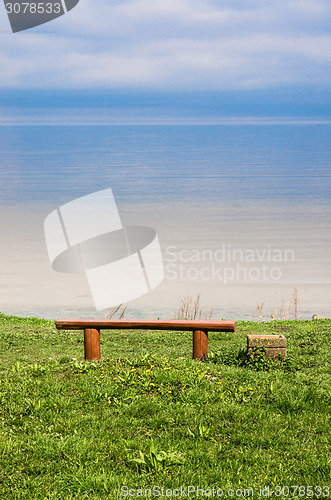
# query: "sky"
(237, 53)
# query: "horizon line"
(82, 120)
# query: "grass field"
(147, 415)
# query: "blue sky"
(247, 56)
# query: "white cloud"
(178, 44)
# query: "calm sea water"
(227, 201)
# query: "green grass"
(147, 414)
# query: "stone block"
(275, 345)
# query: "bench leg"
(92, 344)
(200, 344)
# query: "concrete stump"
(275, 345)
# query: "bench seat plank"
(184, 325)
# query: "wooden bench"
(92, 329)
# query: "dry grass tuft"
(285, 310)
(191, 309)
(120, 310)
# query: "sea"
(242, 213)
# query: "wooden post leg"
(200, 344)
(92, 344)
